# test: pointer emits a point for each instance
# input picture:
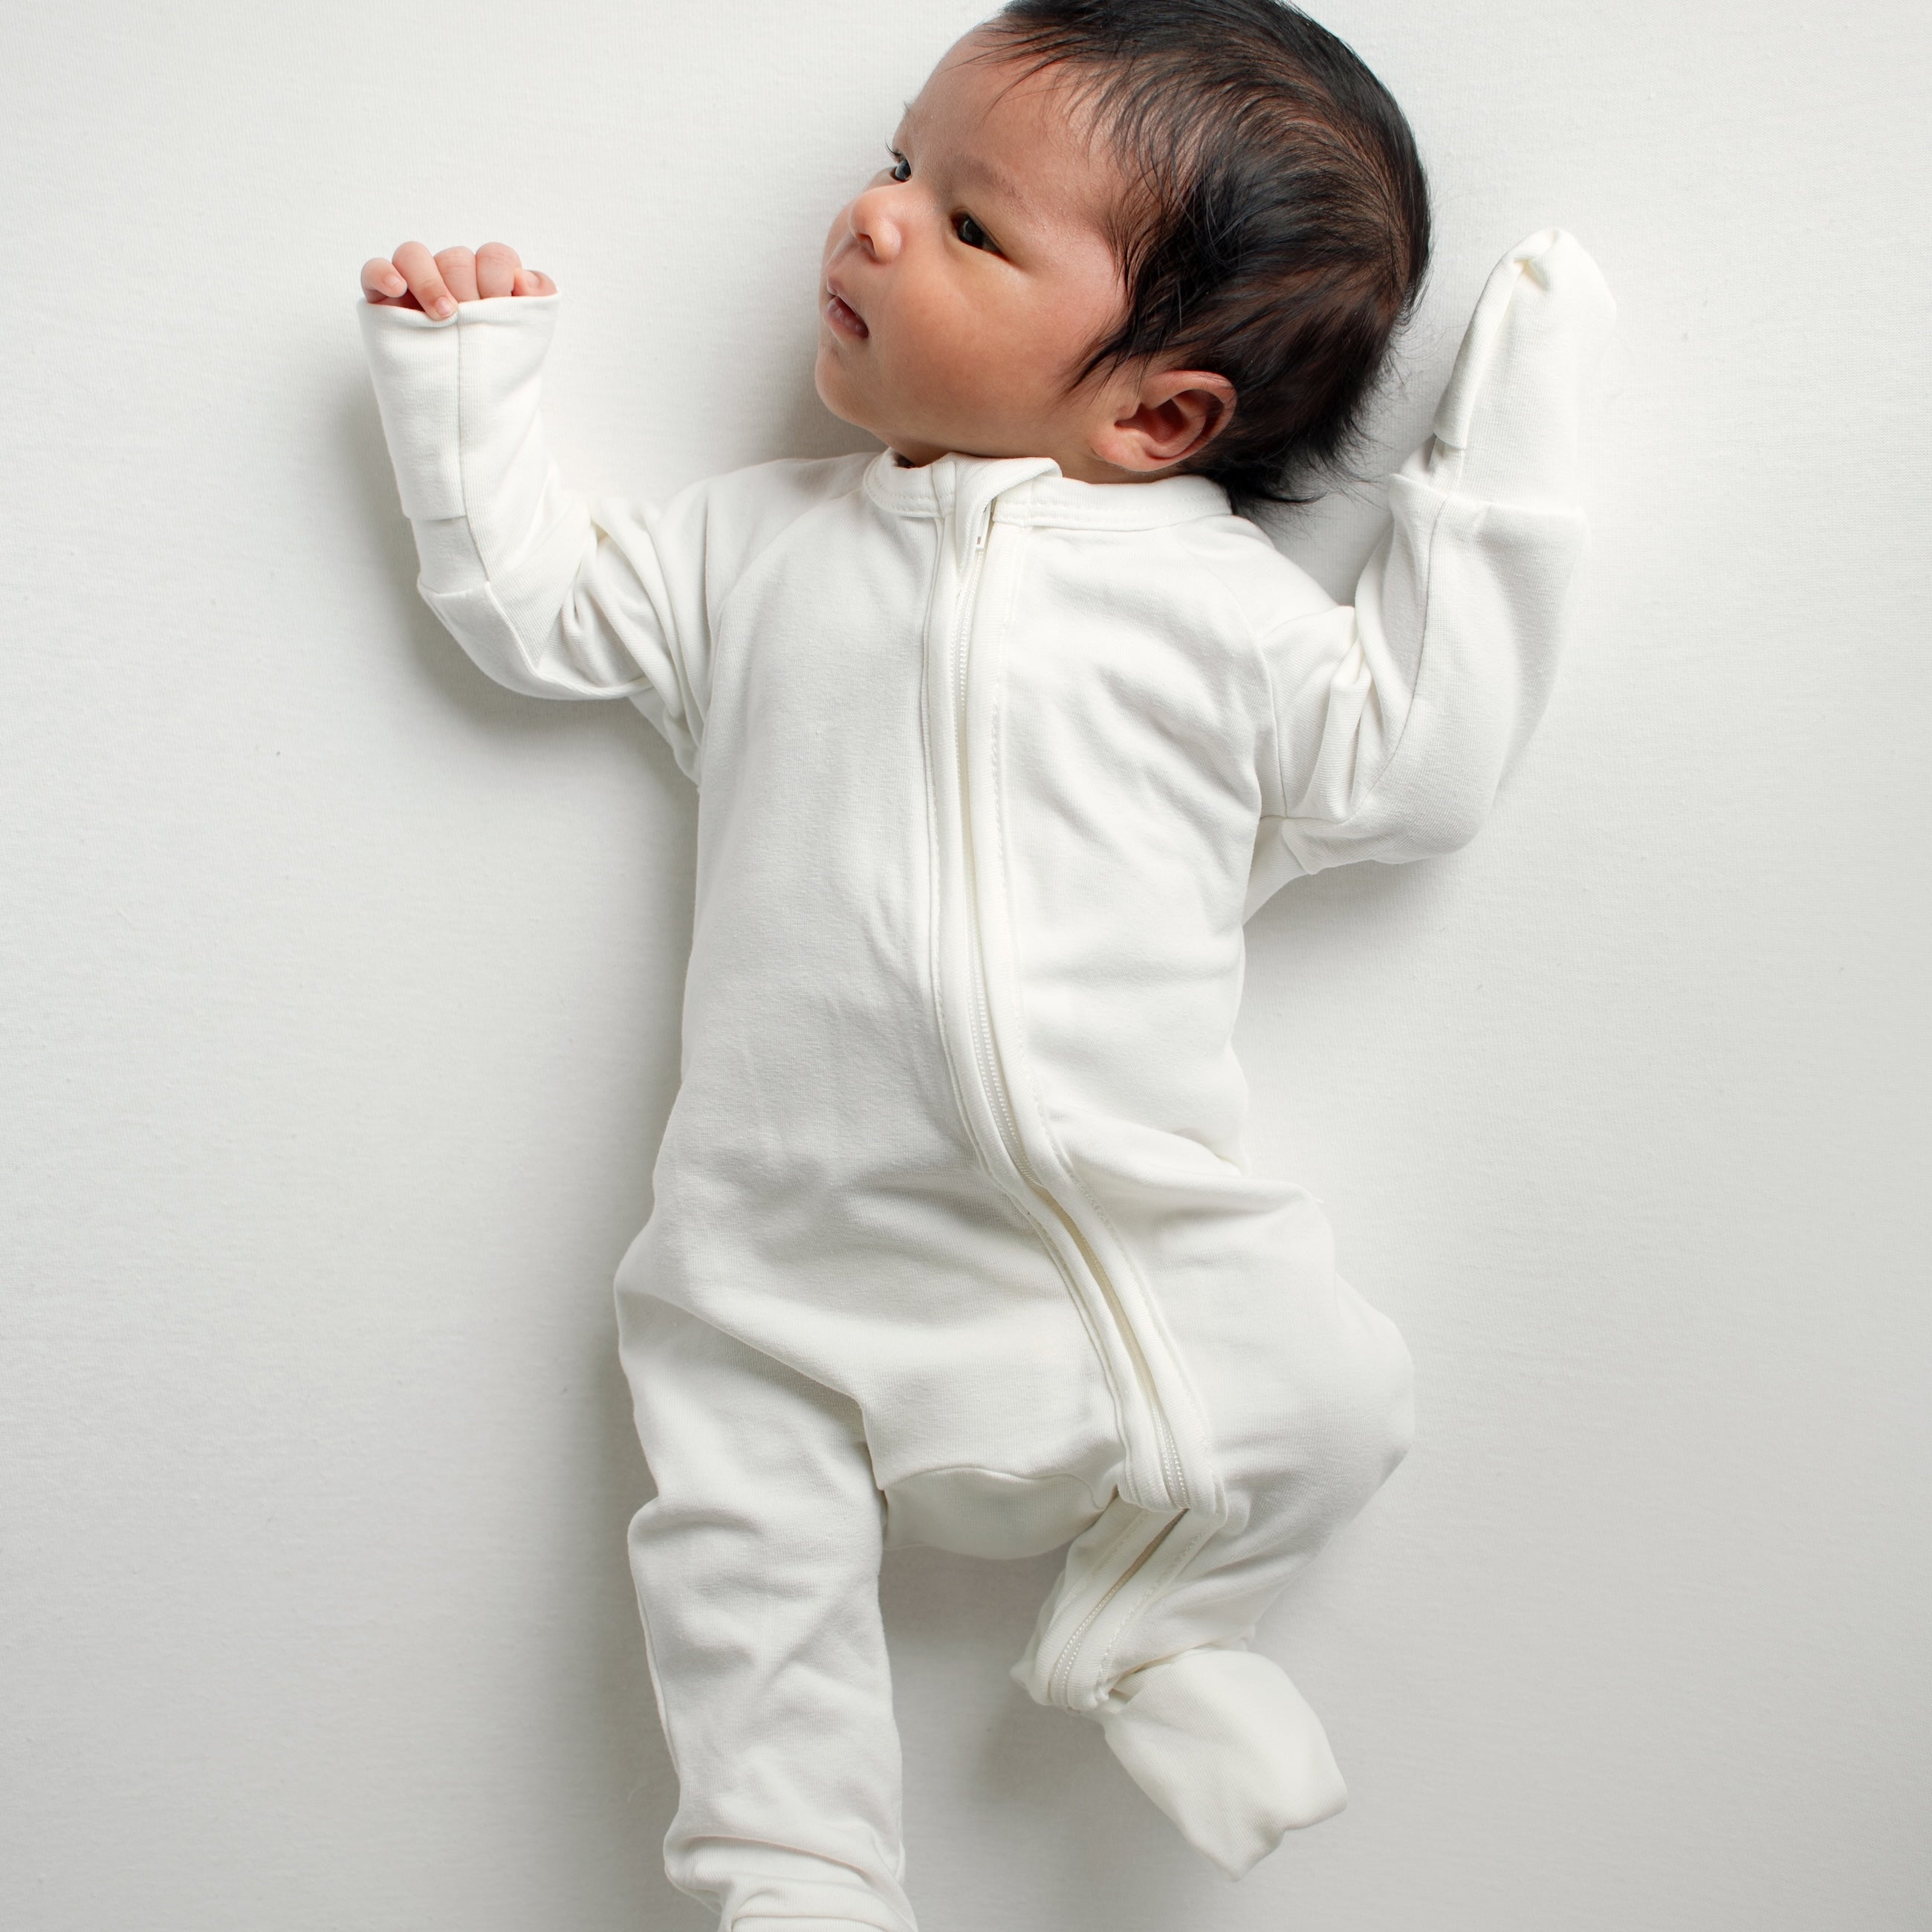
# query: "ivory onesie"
(954, 1241)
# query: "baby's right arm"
(548, 598)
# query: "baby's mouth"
(843, 317)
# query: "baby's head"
(1136, 236)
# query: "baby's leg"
(757, 1569)
(1307, 1391)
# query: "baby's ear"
(1173, 415)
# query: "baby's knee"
(1357, 1418)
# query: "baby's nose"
(875, 226)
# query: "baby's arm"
(1398, 717)
(548, 598)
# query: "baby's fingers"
(381, 283)
(436, 284)
(458, 268)
(417, 268)
(497, 267)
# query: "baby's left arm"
(1398, 717)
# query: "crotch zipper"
(992, 1076)
(1062, 1673)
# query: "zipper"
(1062, 1673)
(993, 1084)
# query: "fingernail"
(444, 306)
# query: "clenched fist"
(414, 278)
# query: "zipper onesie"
(954, 1240)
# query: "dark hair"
(1278, 234)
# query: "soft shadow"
(1369, 896)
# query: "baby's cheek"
(973, 365)
(914, 354)
(997, 380)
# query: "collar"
(1031, 490)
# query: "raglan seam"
(770, 547)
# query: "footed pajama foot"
(1227, 1747)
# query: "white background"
(341, 993)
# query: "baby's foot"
(1227, 1747)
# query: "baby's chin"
(836, 392)
(829, 379)
(918, 442)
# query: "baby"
(1000, 736)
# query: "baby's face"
(964, 288)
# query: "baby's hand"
(414, 278)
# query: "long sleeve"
(1397, 718)
(551, 596)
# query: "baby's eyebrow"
(972, 168)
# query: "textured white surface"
(341, 991)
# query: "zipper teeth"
(993, 1079)
(1172, 1475)
(1063, 1665)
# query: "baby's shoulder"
(734, 518)
(1238, 558)
(758, 501)
(787, 487)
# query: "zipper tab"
(971, 541)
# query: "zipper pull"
(980, 528)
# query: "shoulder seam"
(778, 537)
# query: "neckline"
(1033, 490)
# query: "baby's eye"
(902, 168)
(969, 232)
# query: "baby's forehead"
(1027, 132)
